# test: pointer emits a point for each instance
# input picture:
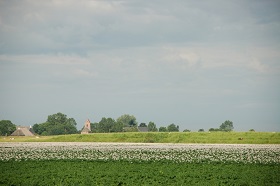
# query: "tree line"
(59, 123)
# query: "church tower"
(86, 128)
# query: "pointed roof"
(22, 131)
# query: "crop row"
(265, 154)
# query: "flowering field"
(86, 163)
(264, 154)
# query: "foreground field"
(84, 163)
(61, 172)
(161, 137)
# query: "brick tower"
(86, 128)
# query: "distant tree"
(127, 120)
(93, 127)
(142, 125)
(162, 129)
(172, 128)
(201, 130)
(252, 130)
(213, 129)
(57, 118)
(186, 130)
(105, 125)
(227, 126)
(152, 127)
(117, 127)
(56, 124)
(6, 127)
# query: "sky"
(192, 63)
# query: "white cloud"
(59, 59)
(84, 73)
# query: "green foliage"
(56, 124)
(172, 128)
(152, 127)
(162, 129)
(127, 120)
(164, 137)
(252, 130)
(142, 125)
(213, 130)
(186, 130)
(105, 125)
(63, 172)
(6, 127)
(117, 127)
(93, 127)
(227, 126)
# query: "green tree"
(118, 127)
(6, 127)
(227, 126)
(172, 128)
(127, 120)
(142, 125)
(201, 130)
(152, 127)
(105, 125)
(56, 124)
(213, 130)
(162, 129)
(93, 126)
(186, 130)
(57, 118)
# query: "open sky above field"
(192, 63)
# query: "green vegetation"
(62, 172)
(162, 137)
(6, 127)
(56, 124)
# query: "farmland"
(76, 163)
(161, 137)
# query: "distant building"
(23, 131)
(143, 129)
(86, 128)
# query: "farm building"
(23, 131)
(142, 129)
(86, 128)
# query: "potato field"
(84, 163)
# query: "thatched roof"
(22, 131)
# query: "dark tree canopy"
(227, 126)
(105, 125)
(152, 127)
(56, 124)
(142, 125)
(213, 129)
(172, 128)
(127, 120)
(6, 127)
(162, 129)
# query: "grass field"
(161, 137)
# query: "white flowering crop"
(140, 152)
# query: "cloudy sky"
(192, 63)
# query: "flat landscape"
(95, 163)
(160, 137)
